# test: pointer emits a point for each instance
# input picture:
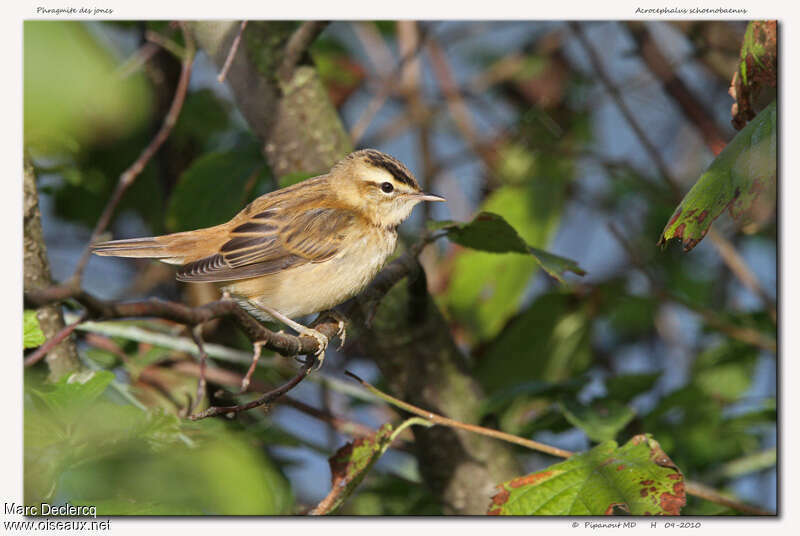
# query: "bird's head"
(378, 186)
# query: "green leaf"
(203, 115)
(214, 188)
(132, 507)
(637, 478)
(491, 232)
(83, 447)
(626, 387)
(549, 341)
(75, 391)
(222, 475)
(501, 398)
(631, 316)
(32, 335)
(601, 421)
(351, 463)
(73, 95)
(733, 181)
(487, 288)
(389, 495)
(759, 51)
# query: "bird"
(298, 250)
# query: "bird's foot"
(322, 344)
(341, 333)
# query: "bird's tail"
(172, 249)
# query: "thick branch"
(62, 358)
(298, 126)
(282, 343)
(298, 44)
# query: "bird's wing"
(267, 242)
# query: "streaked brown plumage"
(301, 249)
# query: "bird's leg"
(342, 333)
(257, 347)
(302, 330)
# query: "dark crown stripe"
(398, 170)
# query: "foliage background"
(505, 117)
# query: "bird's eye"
(387, 187)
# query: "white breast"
(316, 287)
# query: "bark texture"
(409, 339)
(63, 358)
(299, 127)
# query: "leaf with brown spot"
(733, 181)
(591, 483)
(758, 70)
(351, 463)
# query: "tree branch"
(726, 250)
(712, 318)
(231, 53)
(63, 357)
(298, 44)
(127, 178)
(232, 379)
(445, 421)
(675, 87)
(387, 85)
(265, 399)
(696, 113)
(284, 344)
(51, 343)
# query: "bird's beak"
(422, 196)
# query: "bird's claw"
(319, 355)
(341, 332)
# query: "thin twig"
(137, 59)
(232, 379)
(374, 46)
(129, 175)
(415, 103)
(675, 87)
(265, 399)
(727, 252)
(705, 124)
(692, 488)
(445, 421)
(712, 318)
(298, 44)
(455, 101)
(387, 86)
(231, 53)
(166, 43)
(611, 88)
(704, 492)
(52, 342)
